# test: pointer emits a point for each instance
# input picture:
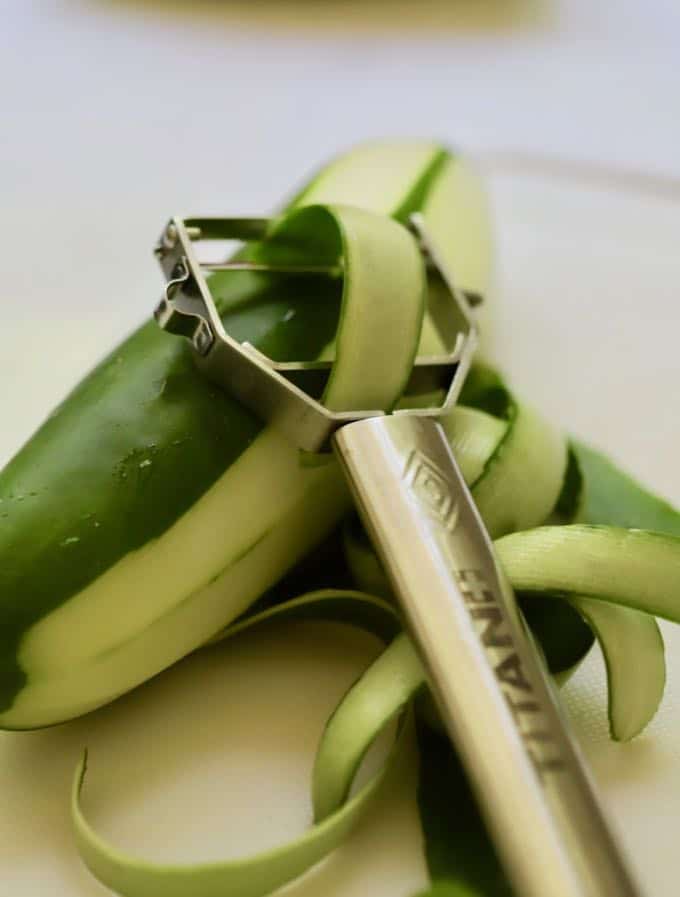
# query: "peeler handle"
(490, 685)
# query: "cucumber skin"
(130, 450)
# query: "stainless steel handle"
(493, 694)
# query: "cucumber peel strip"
(634, 690)
(635, 568)
(252, 877)
(378, 697)
(383, 301)
(258, 875)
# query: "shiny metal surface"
(286, 394)
(494, 697)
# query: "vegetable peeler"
(485, 672)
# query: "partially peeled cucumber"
(151, 509)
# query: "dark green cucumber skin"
(132, 448)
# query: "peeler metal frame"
(281, 392)
(483, 668)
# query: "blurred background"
(117, 114)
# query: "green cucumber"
(151, 509)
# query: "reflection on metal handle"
(493, 694)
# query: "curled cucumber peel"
(382, 302)
(258, 875)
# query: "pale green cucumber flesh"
(383, 297)
(634, 568)
(378, 697)
(616, 579)
(473, 436)
(216, 569)
(633, 651)
(372, 176)
(258, 875)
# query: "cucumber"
(151, 509)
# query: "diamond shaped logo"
(432, 489)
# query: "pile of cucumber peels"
(152, 514)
